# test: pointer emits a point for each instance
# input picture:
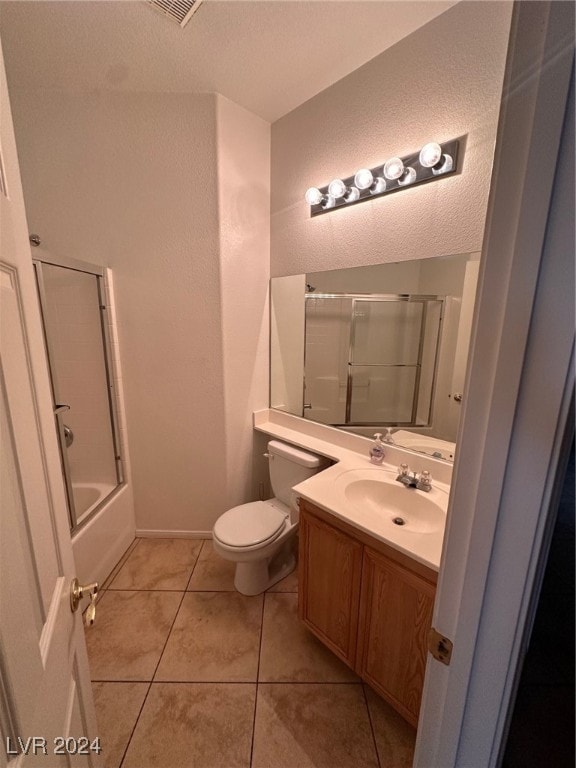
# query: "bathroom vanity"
(369, 603)
(369, 553)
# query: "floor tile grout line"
(191, 591)
(121, 563)
(231, 682)
(152, 679)
(257, 682)
(107, 583)
(121, 763)
(195, 564)
(118, 567)
(150, 589)
(371, 725)
(310, 682)
(125, 557)
(257, 677)
(168, 635)
(261, 637)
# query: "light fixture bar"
(431, 162)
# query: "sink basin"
(375, 491)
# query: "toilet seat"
(252, 525)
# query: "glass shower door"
(371, 359)
(72, 304)
(327, 346)
(393, 354)
(384, 366)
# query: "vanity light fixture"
(315, 197)
(409, 176)
(338, 189)
(431, 161)
(364, 179)
(393, 168)
(431, 156)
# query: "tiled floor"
(188, 673)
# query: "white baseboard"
(150, 533)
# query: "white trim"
(503, 469)
(537, 456)
(151, 533)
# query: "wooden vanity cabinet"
(370, 604)
(330, 571)
(395, 618)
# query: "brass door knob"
(77, 592)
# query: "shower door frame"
(423, 299)
(60, 408)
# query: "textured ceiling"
(267, 55)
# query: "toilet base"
(255, 577)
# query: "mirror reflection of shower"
(370, 366)
(371, 359)
(73, 308)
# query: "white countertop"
(350, 452)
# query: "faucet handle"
(404, 475)
(424, 481)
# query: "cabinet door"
(329, 585)
(395, 617)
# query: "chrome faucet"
(411, 480)
(405, 478)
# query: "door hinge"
(439, 646)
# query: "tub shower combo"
(73, 306)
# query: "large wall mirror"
(381, 348)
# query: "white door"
(517, 401)
(46, 707)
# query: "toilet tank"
(289, 466)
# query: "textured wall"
(131, 181)
(244, 227)
(443, 81)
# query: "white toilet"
(260, 536)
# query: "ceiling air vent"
(179, 10)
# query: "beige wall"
(442, 82)
(171, 191)
(244, 227)
(132, 181)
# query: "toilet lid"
(250, 524)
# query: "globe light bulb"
(378, 186)
(393, 168)
(408, 177)
(313, 196)
(364, 179)
(430, 154)
(446, 164)
(337, 188)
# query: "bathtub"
(103, 539)
(89, 495)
